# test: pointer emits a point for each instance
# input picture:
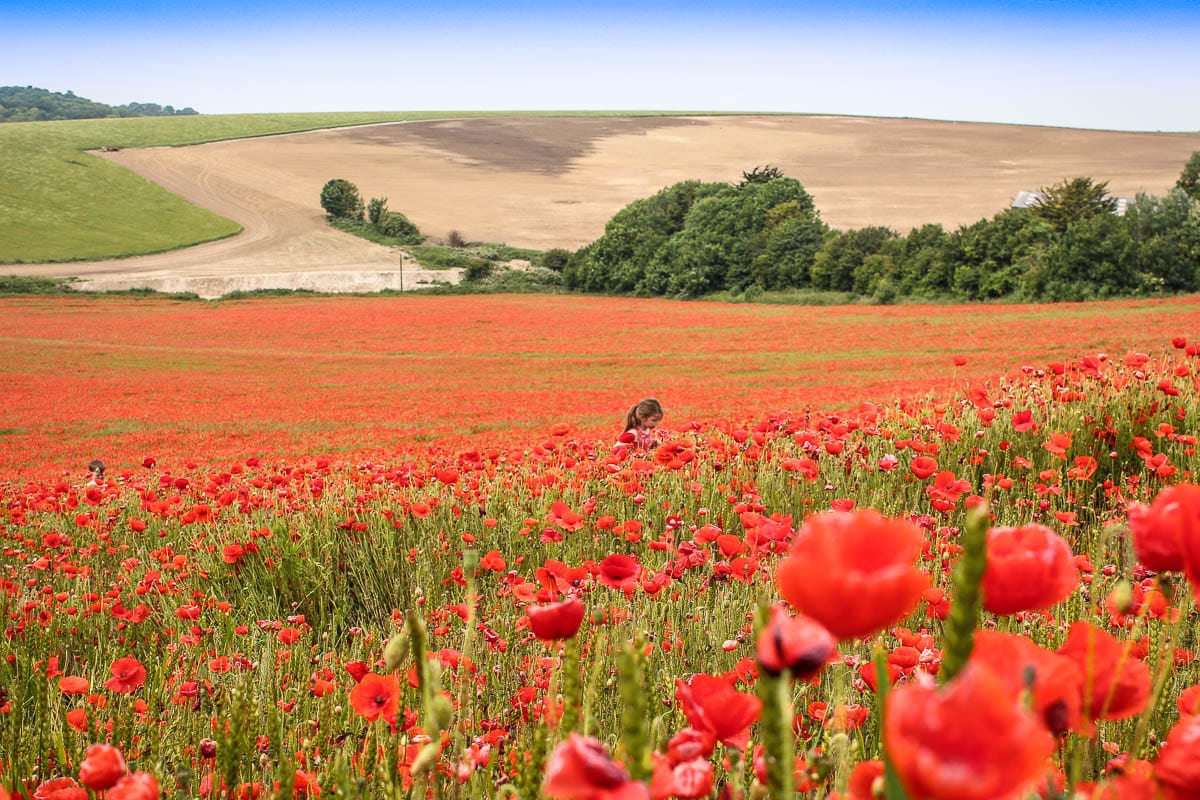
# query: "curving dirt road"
(553, 182)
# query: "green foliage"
(764, 241)
(695, 238)
(31, 104)
(763, 174)
(556, 259)
(376, 208)
(340, 199)
(398, 227)
(478, 269)
(1189, 179)
(1073, 200)
(842, 266)
(33, 284)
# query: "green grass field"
(59, 203)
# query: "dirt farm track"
(546, 182)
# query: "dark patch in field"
(545, 145)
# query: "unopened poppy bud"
(441, 712)
(798, 644)
(396, 652)
(425, 759)
(1122, 597)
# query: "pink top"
(635, 439)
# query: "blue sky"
(1107, 64)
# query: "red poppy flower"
(689, 744)
(232, 553)
(1028, 568)
(60, 789)
(861, 785)
(102, 767)
(966, 741)
(376, 696)
(556, 620)
(1023, 422)
(798, 644)
(581, 769)
(128, 674)
(77, 719)
(923, 466)
(1057, 681)
(1166, 534)
(1116, 684)
(712, 704)
(73, 684)
(853, 572)
(620, 571)
(1178, 764)
(135, 786)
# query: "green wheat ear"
(967, 601)
(635, 734)
(572, 686)
(779, 747)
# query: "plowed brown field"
(546, 182)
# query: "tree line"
(765, 234)
(31, 104)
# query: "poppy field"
(384, 547)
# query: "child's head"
(97, 469)
(645, 415)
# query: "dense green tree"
(341, 200)
(1189, 179)
(1167, 248)
(990, 256)
(618, 260)
(1070, 201)
(836, 267)
(1092, 259)
(31, 104)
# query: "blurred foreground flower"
(967, 740)
(581, 769)
(853, 571)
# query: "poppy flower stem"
(967, 600)
(779, 748)
(893, 788)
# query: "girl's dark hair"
(647, 408)
(96, 468)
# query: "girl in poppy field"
(640, 423)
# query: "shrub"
(455, 239)
(556, 259)
(340, 199)
(397, 226)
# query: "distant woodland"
(31, 104)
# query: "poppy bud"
(798, 644)
(441, 712)
(396, 651)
